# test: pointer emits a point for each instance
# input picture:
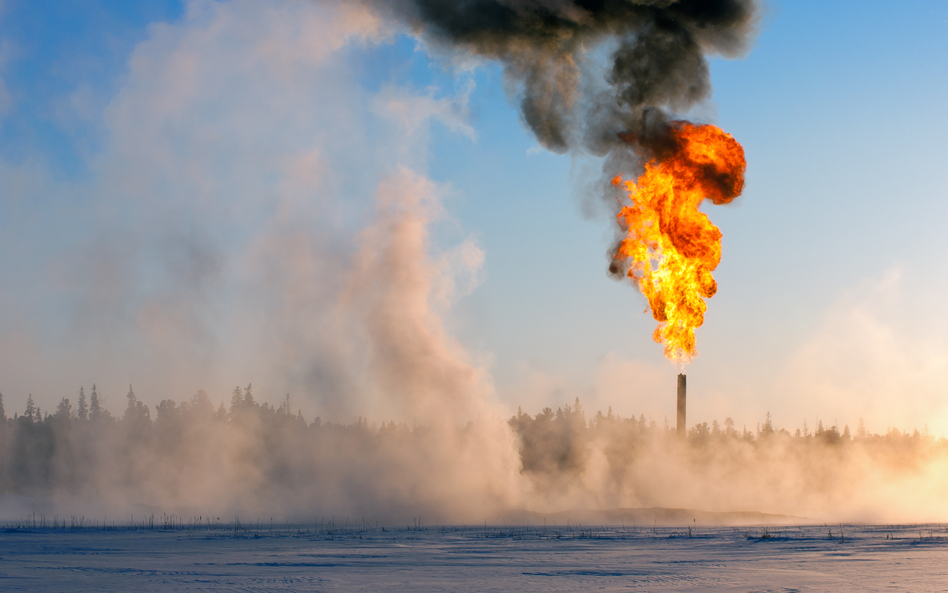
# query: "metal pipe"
(682, 426)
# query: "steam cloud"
(659, 63)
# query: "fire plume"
(671, 247)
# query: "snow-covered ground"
(317, 558)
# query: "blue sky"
(183, 187)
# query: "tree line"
(191, 451)
(561, 442)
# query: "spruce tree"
(3, 414)
(236, 399)
(95, 410)
(31, 409)
(83, 409)
(248, 396)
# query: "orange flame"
(671, 247)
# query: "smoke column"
(659, 63)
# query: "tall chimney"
(682, 427)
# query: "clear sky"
(184, 187)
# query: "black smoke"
(659, 64)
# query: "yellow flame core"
(670, 246)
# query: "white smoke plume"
(257, 216)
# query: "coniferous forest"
(254, 456)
